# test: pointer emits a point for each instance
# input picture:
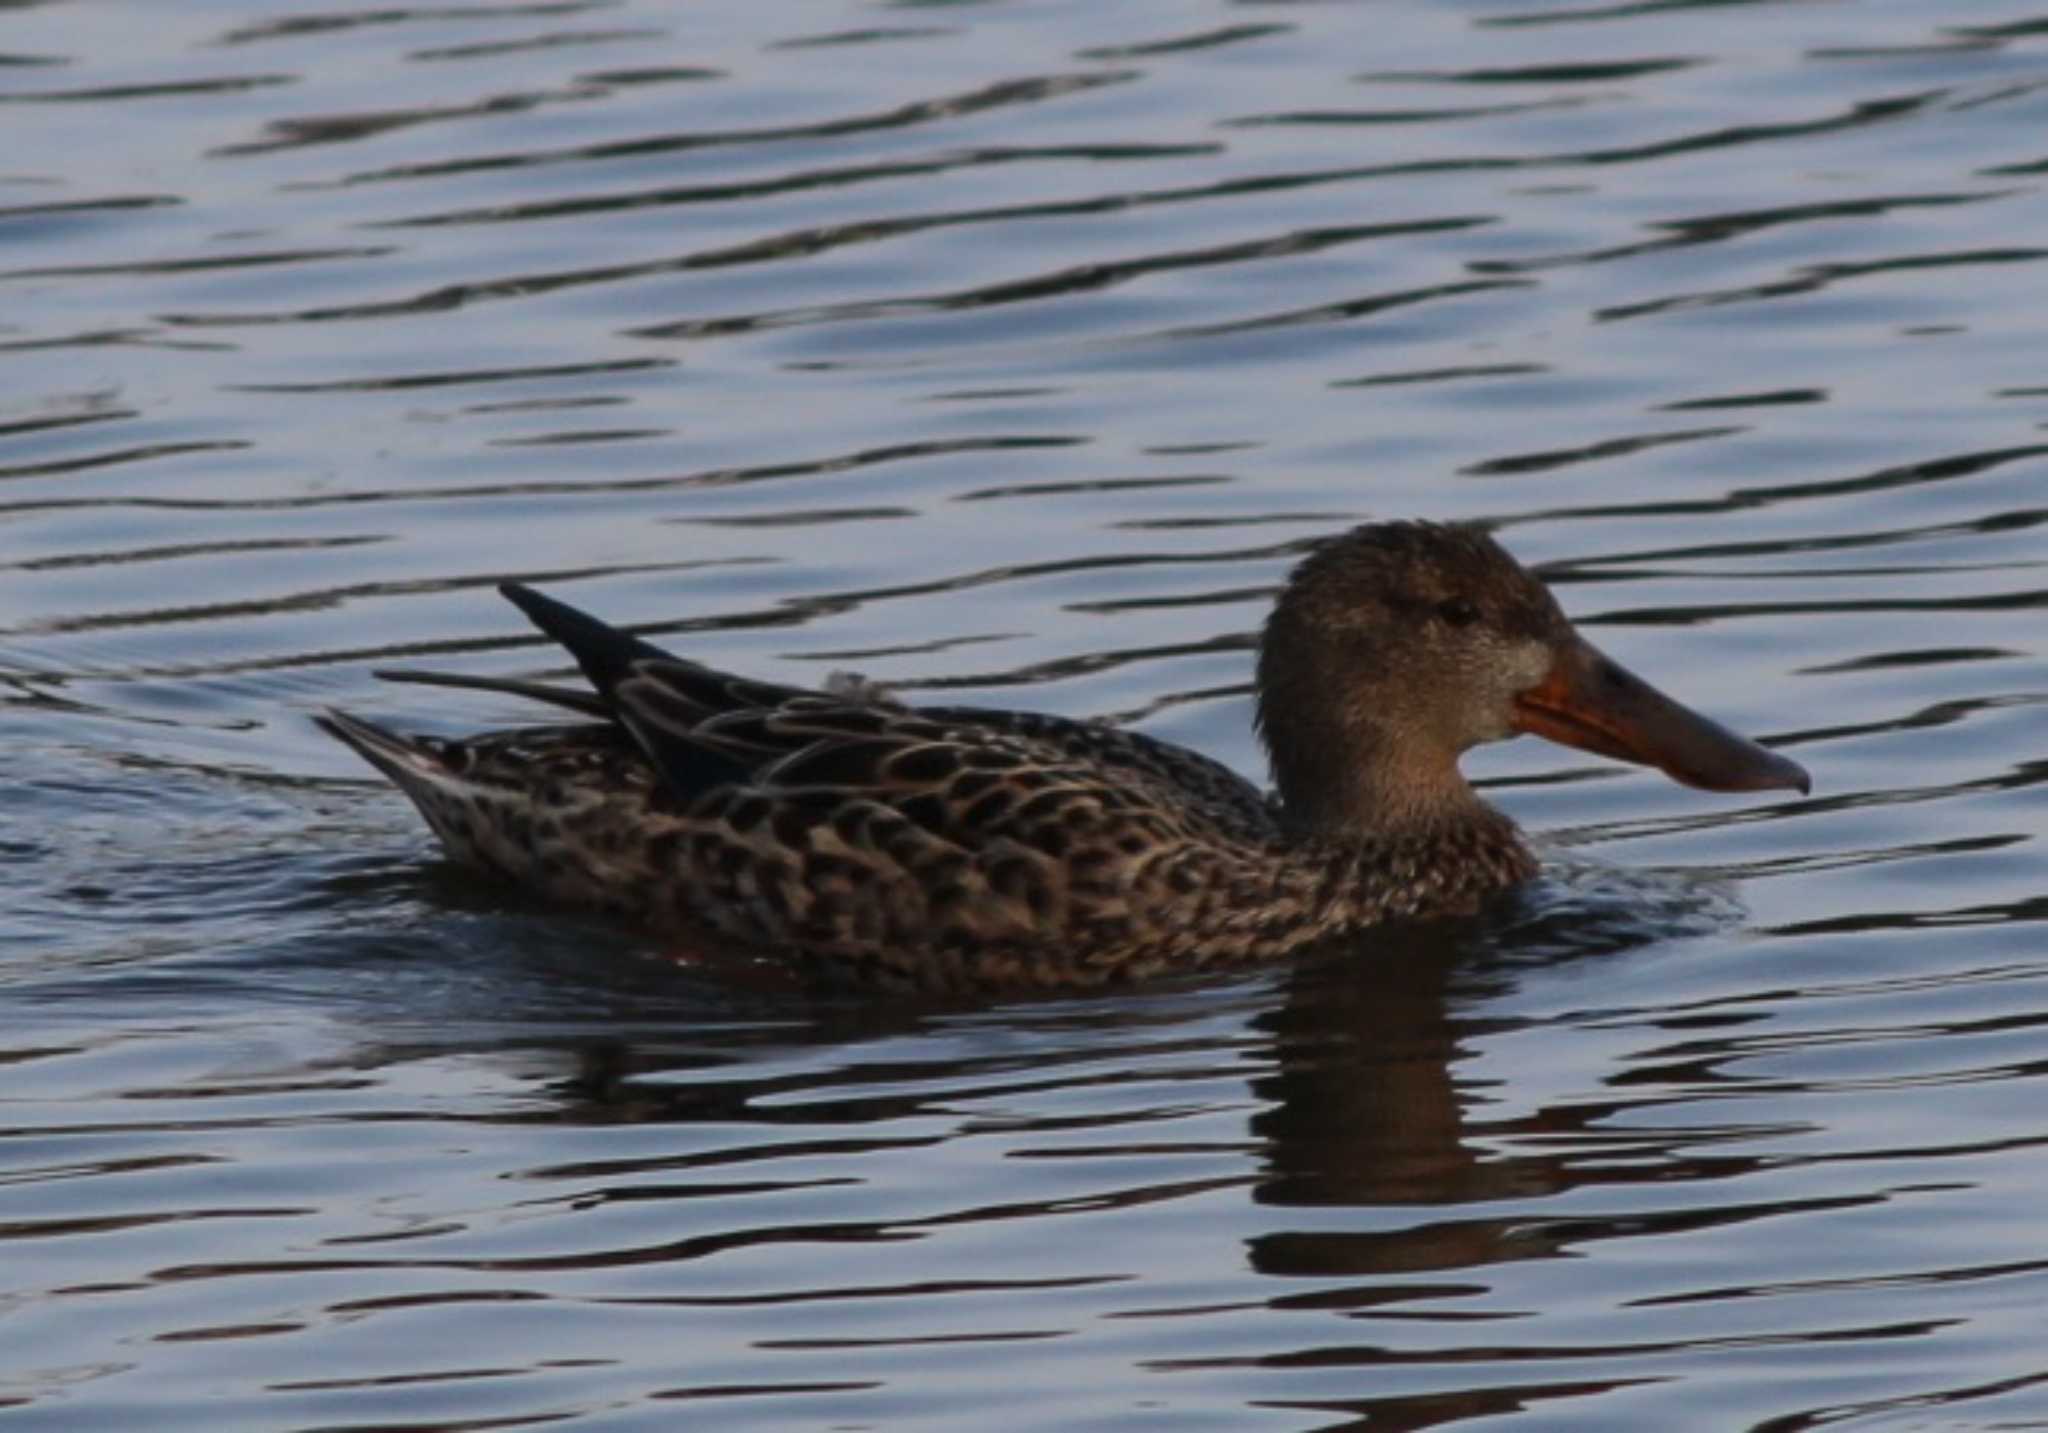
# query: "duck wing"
(1193, 779)
(703, 728)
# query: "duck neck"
(1350, 777)
(1387, 794)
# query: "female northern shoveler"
(959, 846)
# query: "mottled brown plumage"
(949, 847)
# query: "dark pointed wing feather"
(605, 654)
(660, 699)
(693, 694)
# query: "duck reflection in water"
(1364, 1095)
(950, 847)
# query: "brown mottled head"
(1397, 646)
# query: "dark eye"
(1458, 612)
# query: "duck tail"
(407, 761)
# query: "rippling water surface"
(1015, 350)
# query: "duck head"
(1397, 646)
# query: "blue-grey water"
(1013, 351)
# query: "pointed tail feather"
(589, 703)
(405, 761)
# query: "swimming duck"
(959, 847)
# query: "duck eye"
(1458, 611)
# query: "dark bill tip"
(1594, 703)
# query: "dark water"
(1014, 350)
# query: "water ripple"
(1015, 354)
